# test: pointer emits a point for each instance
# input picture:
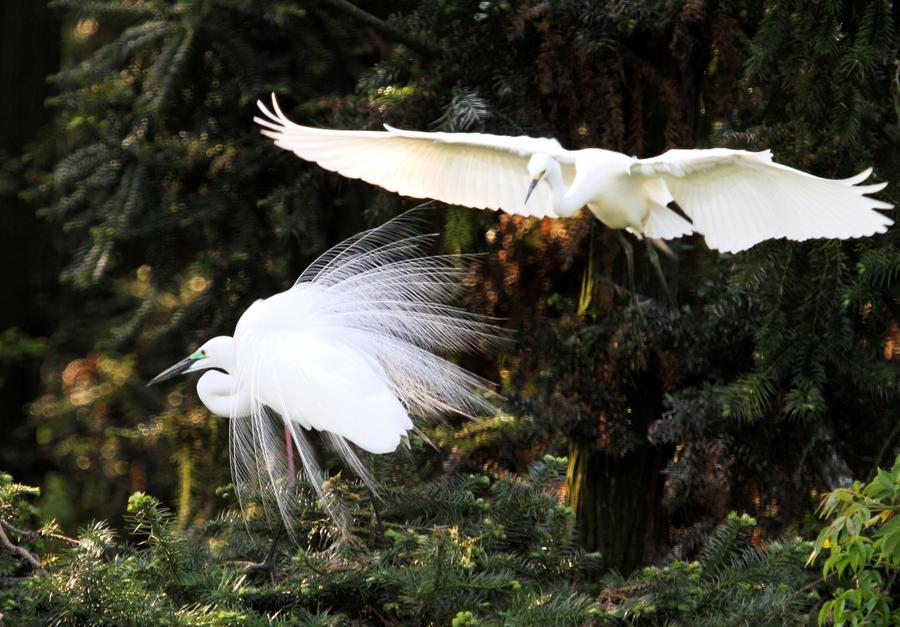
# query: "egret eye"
(199, 354)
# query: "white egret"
(346, 351)
(734, 198)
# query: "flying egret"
(347, 351)
(734, 198)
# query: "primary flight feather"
(734, 198)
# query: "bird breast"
(614, 196)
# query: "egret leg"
(629, 261)
(289, 444)
(375, 509)
(268, 564)
(654, 260)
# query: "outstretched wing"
(470, 169)
(738, 198)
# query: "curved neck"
(221, 392)
(564, 204)
(223, 396)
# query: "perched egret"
(734, 198)
(346, 351)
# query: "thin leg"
(270, 556)
(268, 564)
(629, 261)
(654, 259)
(375, 509)
(289, 444)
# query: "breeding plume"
(734, 198)
(347, 351)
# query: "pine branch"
(410, 41)
(23, 554)
(40, 533)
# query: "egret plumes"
(734, 198)
(349, 351)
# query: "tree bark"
(616, 502)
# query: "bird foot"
(268, 564)
(265, 566)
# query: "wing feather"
(471, 169)
(738, 198)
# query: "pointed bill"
(531, 187)
(174, 371)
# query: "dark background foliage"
(142, 212)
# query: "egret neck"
(223, 396)
(564, 204)
(220, 391)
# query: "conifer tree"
(774, 379)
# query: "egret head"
(215, 353)
(537, 168)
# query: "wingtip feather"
(279, 114)
(857, 178)
(268, 124)
(871, 189)
(272, 135)
(265, 110)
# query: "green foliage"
(174, 216)
(15, 345)
(15, 509)
(774, 379)
(485, 549)
(466, 549)
(466, 111)
(787, 344)
(862, 544)
(733, 582)
(815, 97)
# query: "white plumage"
(734, 198)
(347, 351)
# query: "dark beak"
(174, 371)
(531, 187)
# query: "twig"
(411, 42)
(815, 583)
(19, 551)
(32, 535)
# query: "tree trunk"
(616, 502)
